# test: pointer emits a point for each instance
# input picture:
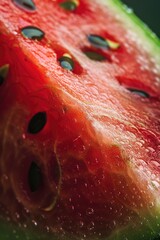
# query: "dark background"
(148, 11)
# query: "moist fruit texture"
(80, 122)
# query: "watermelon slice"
(79, 126)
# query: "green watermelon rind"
(149, 41)
(150, 223)
(147, 31)
(11, 231)
(148, 230)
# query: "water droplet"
(34, 222)
(73, 207)
(48, 229)
(155, 184)
(81, 224)
(151, 204)
(114, 223)
(91, 226)
(8, 219)
(128, 9)
(5, 177)
(33, 33)
(17, 215)
(23, 136)
(25, 225)
(75, 180)
(90, 211)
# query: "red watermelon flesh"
(80, 147)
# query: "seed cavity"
(139, 92)
(3, 73)
(70, 5)
(66, 62)
(25, 4)
(100, 42)
(35, 178)
(33, 33)
(54, 175)
(37, 122)
(94, 55)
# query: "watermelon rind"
(142, 34)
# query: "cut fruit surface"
(79, 127)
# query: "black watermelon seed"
(94, 56)
(3, 73)
(37, 122)
(34, 177)
(66, 63)
(98, 41)
(32, 32)
(25, 4)
(139, 92)
(69, 5)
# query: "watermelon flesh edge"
(137, 25)
(148, 222)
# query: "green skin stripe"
(149, 40)
(148, 230)
(136, 22)
(150, 227)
